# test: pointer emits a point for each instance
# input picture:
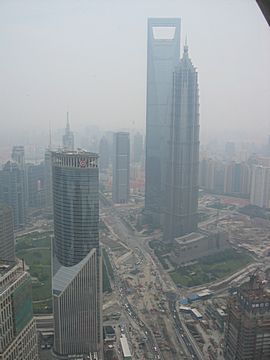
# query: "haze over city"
(134, 180)
(89, 58)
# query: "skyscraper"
(260, 186)
(121, 164)
(163, 52)
(183, 162)
(18, 336)
(12, 191)
(7, 243)
(76, 282)
(247, 334)
(68, 137)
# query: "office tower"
(137, 147)
(12, 191)
(183, 163)
(18, 336)
(76, 283)
(7, 244)
(18, 156)
(121, 159)
(260, 186)
(35, 185)
(247, 333)
(163, 52)
(48, 178)
(68, 137)
(104, 154)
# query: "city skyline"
(50, 56)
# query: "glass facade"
(76, 207)
(162, 57)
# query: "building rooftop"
(125, 346)
(189, 238)
(9, 273)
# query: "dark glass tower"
(183, 163)
(76, 256)
(163, 54)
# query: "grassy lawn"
(34, 240)
(211, 268)
(35, 249)
(39, 262)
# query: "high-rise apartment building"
(247, 333)
(121, 167)
(163, 52)
(260, 186)
(12, 191)
(183, 162)
(76, 283)
(18, 336)
(237, 179)
(7, 243)
(68, 137)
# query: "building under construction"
(247, 334)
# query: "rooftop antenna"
(68, 125)
(186, 45)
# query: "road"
(44, 322)
(135, 241)
(184, 334)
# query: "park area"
(35, 249)
(211, 268)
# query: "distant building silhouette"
(163, 54)
(77, 276)
(68, 137)
(104, 153)
(18, 155)
(183, 161)
(121, 167)
(137, 147)
(36, 185)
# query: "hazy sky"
(89, 56)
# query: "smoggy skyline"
(89, 58)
